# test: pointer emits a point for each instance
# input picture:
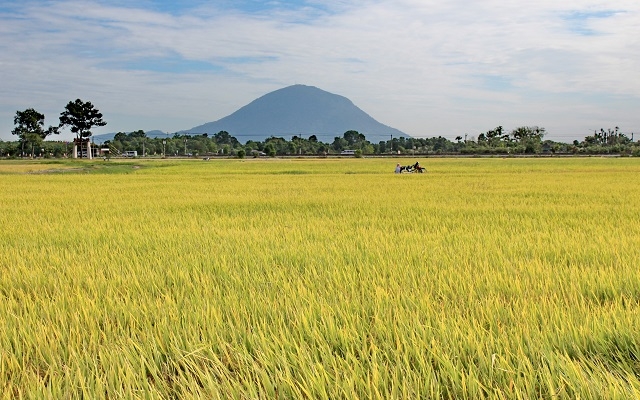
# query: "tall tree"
(354, 138)
(529, 138)
(494, 136)
(30, 128)
(223, 137)
(81, 117)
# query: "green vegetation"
(326, 278)
(30, 129)
(521, 141)
(81, 116)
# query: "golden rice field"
(320, 279)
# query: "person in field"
(398, 168)
(418, 168)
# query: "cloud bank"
(428, 68)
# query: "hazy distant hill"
(298, 110)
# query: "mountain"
(298, 110)
(295, 110)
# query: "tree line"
(81, 117)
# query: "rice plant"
(484, 278)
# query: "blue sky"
(428, 68)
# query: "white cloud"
(425, 67)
